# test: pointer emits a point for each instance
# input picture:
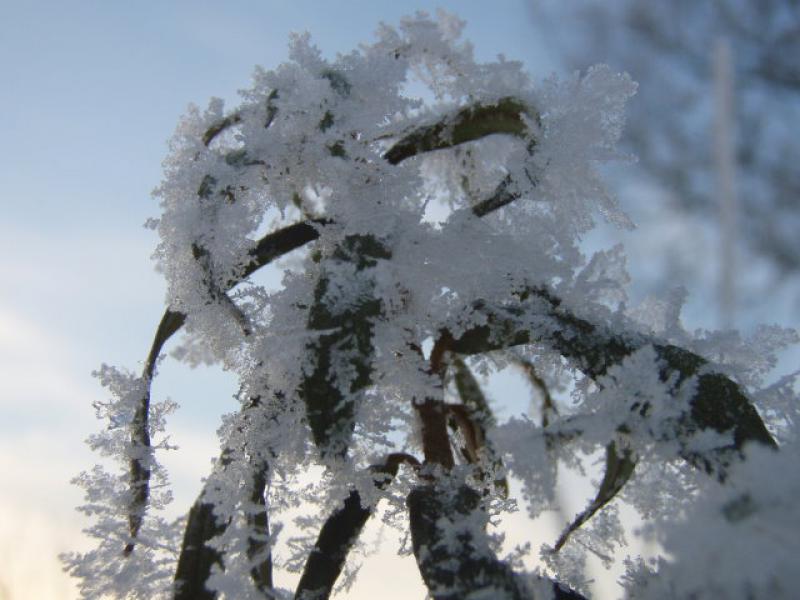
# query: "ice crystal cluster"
(427, 212)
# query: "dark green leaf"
(329, 408)
(481, 416)
(619, 469)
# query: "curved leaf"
(479, 419)
(618, 471)
(340, 532)
(268, 248)
(459, 563)
(718, 403)
(468, 124)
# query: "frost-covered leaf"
(343, 312)
(619, 466)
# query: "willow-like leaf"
(345, 327)
(340, 532)
(139, 479)
(717, 404)
(619, 468)
(268, 248)
(258, 542)
(548, 406)
(482, 419)
(466, 125)
(197, 558)
(236, 117)
(214, 130)
(463, 565)
(217, 294)
(501, 197)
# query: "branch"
(340, 532)
(718, 403)
(468, 124)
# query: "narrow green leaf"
(480, 413)
(619, 469)
(330, 409)
(468, 124)
(548, 406)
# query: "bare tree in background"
(667, 47)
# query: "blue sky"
(90, 93)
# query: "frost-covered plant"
(434, 239)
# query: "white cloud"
(46, 412)
(34, 369)
(30, 541)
